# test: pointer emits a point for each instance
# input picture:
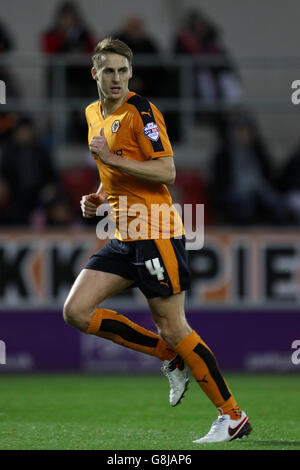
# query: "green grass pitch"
(133, 412)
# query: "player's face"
(112, 76)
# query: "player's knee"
(72, 315)
(166, 332)
(172, 334)
(68, 313)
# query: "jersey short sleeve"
(150, 129)
(89, 110)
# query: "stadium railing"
(273, 96)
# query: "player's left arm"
(159, 170)
(156, 170)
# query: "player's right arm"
(90, 202)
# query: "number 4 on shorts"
(154, 268)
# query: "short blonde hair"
(115, 46)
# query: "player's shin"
(109, 324)
(206, 372)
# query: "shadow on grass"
(277, 443)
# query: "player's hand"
(89, 204)
(99, 147)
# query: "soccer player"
(129, 143)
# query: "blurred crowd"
(243, 188)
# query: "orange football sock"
(205, 370)
(111, 325)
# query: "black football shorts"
(159, 268)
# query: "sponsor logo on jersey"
(151, 130)
(115, 126)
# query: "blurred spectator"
(8, 118)
(152, 81)
(5, 218)
(26, 171)
(70, 35)
(58, 210)
(191, 188)
(243, 183)
(6, 42)
(289, 185)
(145, 80)
(77, 181)
(200, 37)
(213, 84)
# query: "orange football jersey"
(136, 130)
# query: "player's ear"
(130, 71)
(94, 73)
